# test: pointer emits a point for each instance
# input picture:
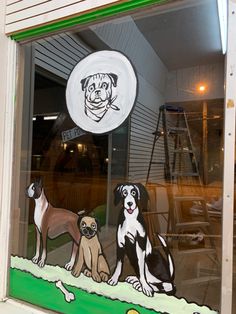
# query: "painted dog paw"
(69, 266)
(87, 273)
(75, 273)
(41, 263)
(137, 285)
(131, 279)
(147, 290)
(35, 259)
(112, 281)
(96, 277)
(104, 276)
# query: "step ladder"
(184, 184)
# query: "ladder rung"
(192, 224)
(158, 162)
(182, 198)
(185, 174)
(197, 251)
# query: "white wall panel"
(182, 84)
(16, 6)
(24, 14)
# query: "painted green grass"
(39, 292)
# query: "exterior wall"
(151, 80)
(182, 83)
(24, 14)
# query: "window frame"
(12, 104)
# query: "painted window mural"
(118, 203)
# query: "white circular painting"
(101, 91)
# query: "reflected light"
(50, 118)
(201, 88)
(80, 147)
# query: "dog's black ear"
(143, 195)
(84, 82)
(117, 194)
(98, 225)
(113, 78)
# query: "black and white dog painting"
(101, 91)
(98, 94)
(154, 272)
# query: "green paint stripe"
(85, 18)
(26, 287)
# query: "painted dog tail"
(169, 256)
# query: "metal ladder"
(184, 183)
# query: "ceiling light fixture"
(222, 13)
(50, 118)
(201, 88)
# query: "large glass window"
(170, 145)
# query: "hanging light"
(201, 88)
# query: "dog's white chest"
(130, 228)
(40, 208)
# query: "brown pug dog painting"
(98, 92)
(90, 258)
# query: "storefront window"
(148, 184)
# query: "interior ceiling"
(185, 37)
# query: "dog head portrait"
(88, 226)
(34, 190)
(98, 94)
(132, 195)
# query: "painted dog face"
(34, 190)
(98, 93)
(88, 227)
(132, 195)
(98, 87)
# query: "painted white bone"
(69, 296)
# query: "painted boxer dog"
(98, 90)
(154, 273)
(51, 222)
